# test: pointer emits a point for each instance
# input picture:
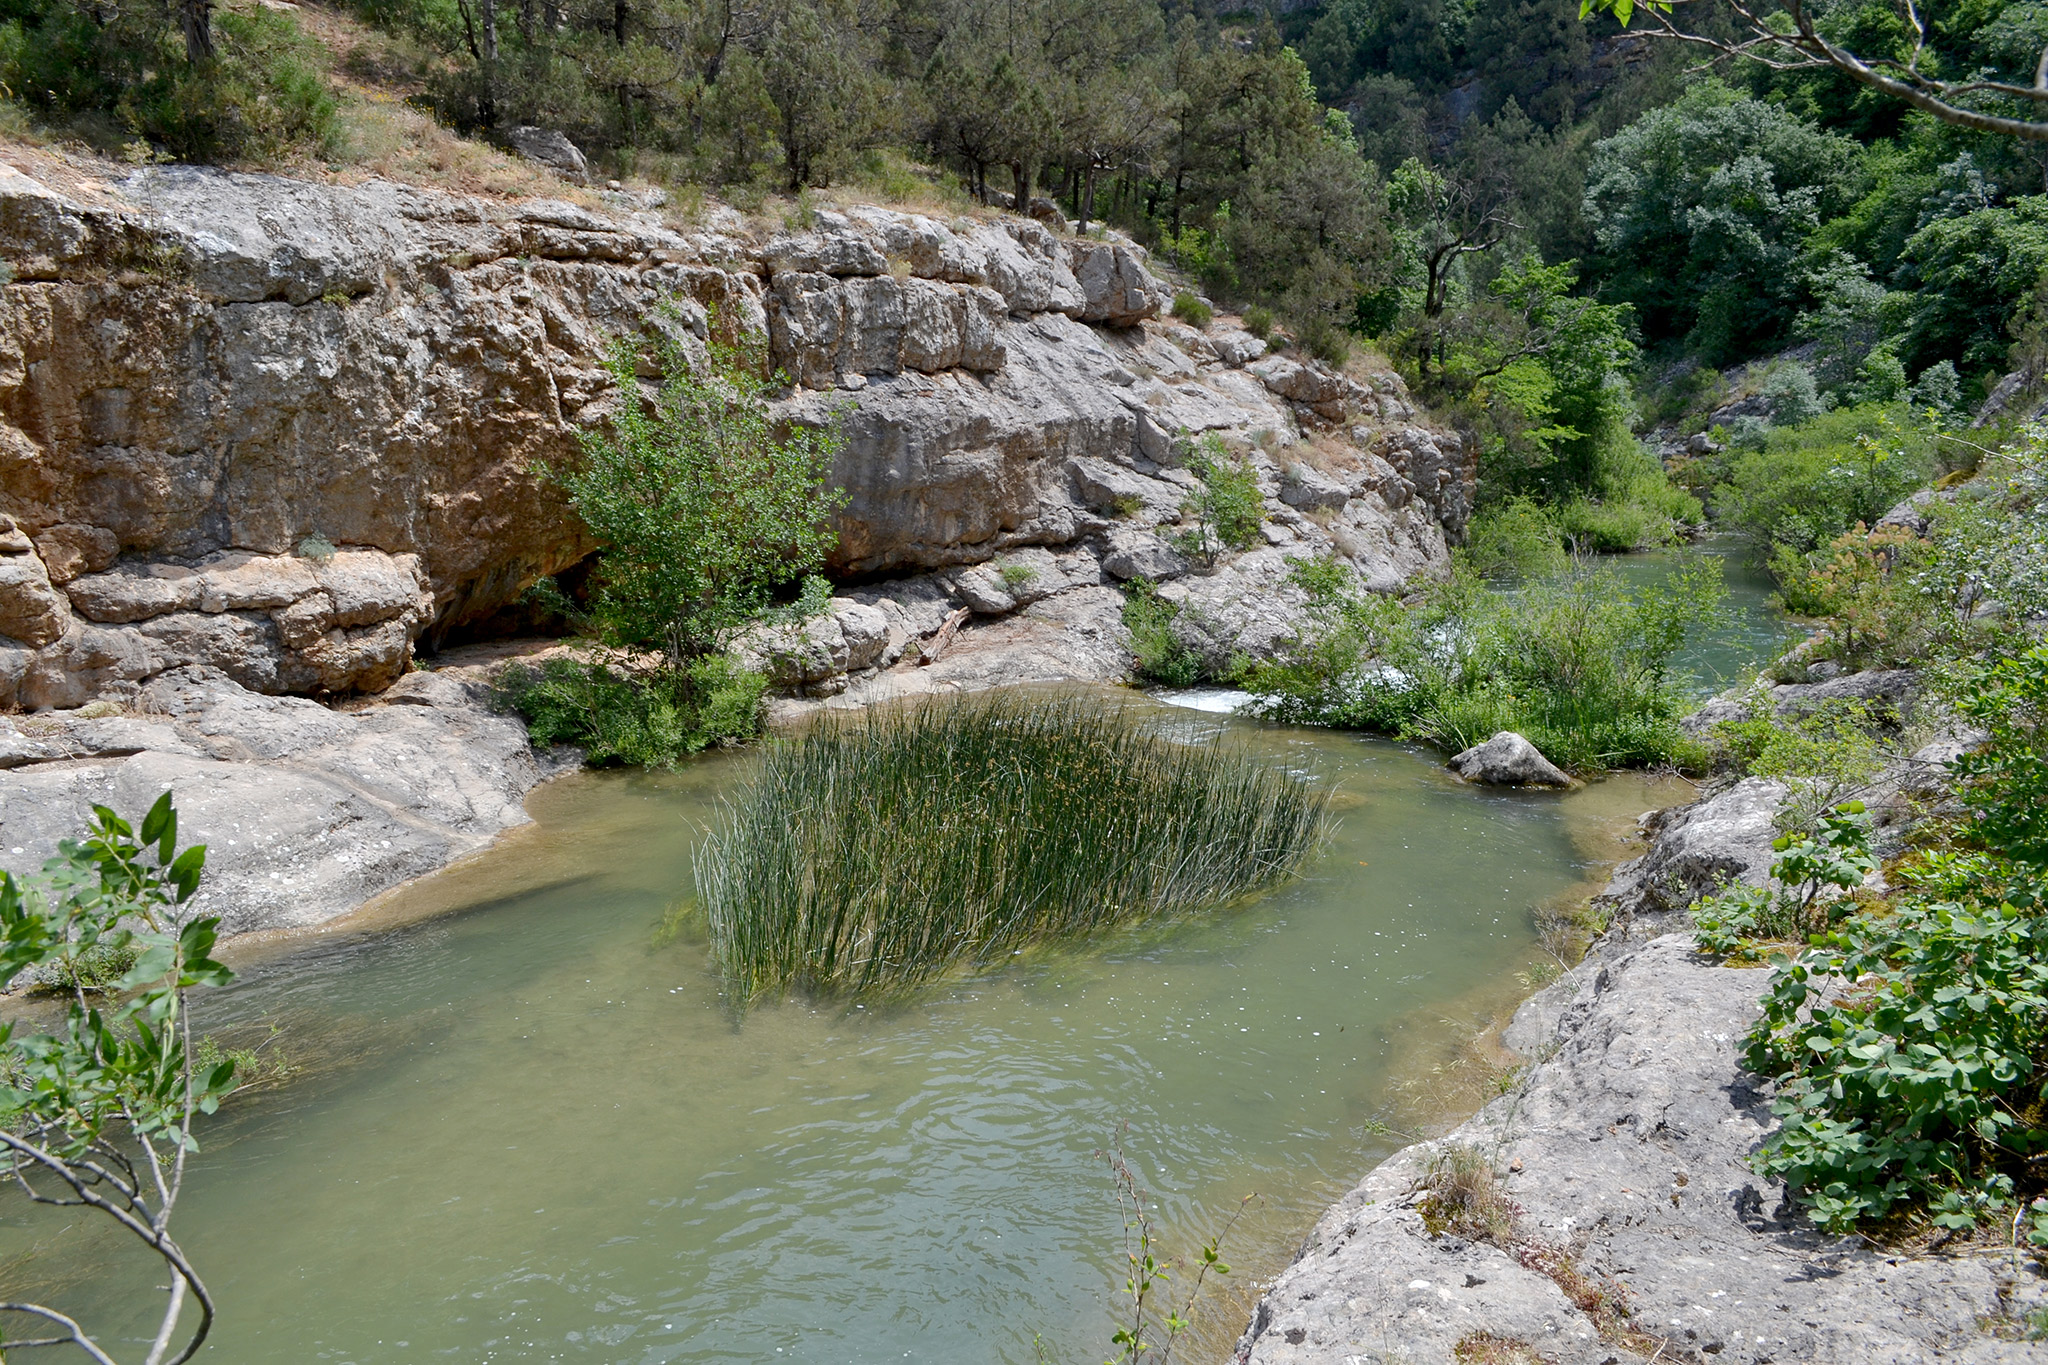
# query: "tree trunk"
(1087, 204)
(196, 17)
(487, 60)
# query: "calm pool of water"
(527, 1132)
(524, 1130)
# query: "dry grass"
(1464, 1197)
(1484, 1348)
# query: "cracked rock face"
(204, 373)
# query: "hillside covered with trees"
(1569, 234)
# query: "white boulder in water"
(1509, 760)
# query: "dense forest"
(1568, 234)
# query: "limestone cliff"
(283, 428)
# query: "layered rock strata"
(282, 428)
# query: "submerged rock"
(1509, 760)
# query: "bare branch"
(1806, 49)
(75, 1335)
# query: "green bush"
(704, 503)
(1227, 508)
(1513, 539)
(1258, 320)
(1810, 875)
(264, 96)
(1827, 752)
(645, 718)
(1910, 1044)
(1810, 483)
(1192, 310)
(1907, 1050)
(982, 826)
(1867, 586)
(2005, 781)
(1579, 664)
(1161, 655)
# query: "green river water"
(524, 1131)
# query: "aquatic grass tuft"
(877, 852)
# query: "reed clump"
(875, 853)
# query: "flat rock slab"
(306, 812)
(1629, 1144)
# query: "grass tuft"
(877, 852)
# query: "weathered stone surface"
(1115, 286)
(69, 551)
(1628, 1145)
(1725, 838)
(203, 371)
(306, 812)
(1136, 553)
(275, 623)
(1248, 606)
(549, 148)
(1311, 490)
(31, 608)
(1508, 760)
(816, 655)
(1110, 489)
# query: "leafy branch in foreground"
(1150, 1333)
(1792, 35)
(97, 1113)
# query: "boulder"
(32, 610)
(1311, 490)
(551, 148)
(1508, 760)
(70, 550)
(1130, 552)
(1115, 286)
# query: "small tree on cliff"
(703, 505)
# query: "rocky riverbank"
(1632, 1227)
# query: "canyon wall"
(285, 428)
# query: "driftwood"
(930, 650)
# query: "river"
(524, 1129)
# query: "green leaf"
(184, 873)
